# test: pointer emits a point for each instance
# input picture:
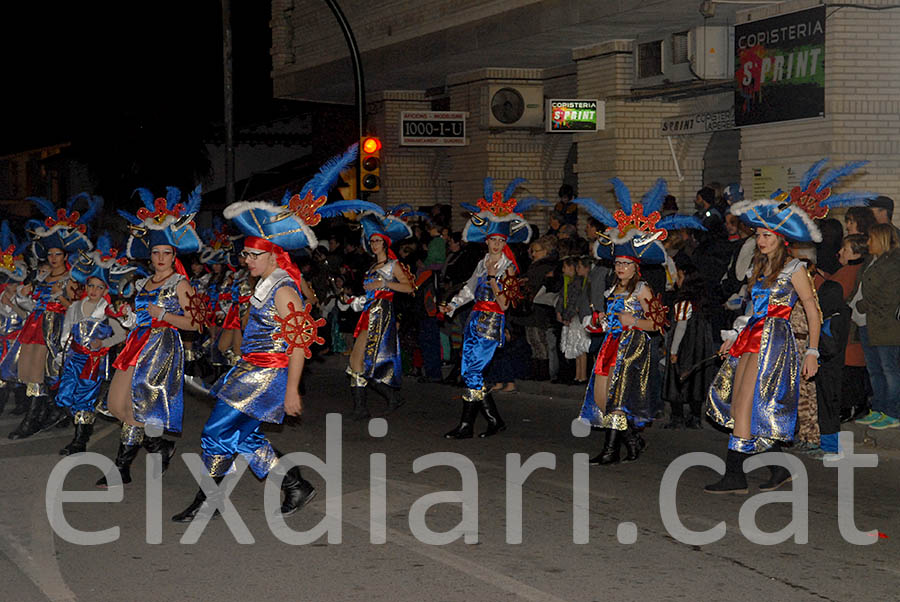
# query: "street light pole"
(229, 104)
(357, 71)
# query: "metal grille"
(650, 59)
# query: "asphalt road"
(651, 564)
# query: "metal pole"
(357, 73)
(229, 105)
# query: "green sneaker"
(869, 418)
(885, 423)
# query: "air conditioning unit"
(515, 106)
(705, 52)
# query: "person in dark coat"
(690, 345)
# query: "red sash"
(363, 323)
(56, 307)
(267, 360)
(606, 359)
(491, 306)
(134, 344)
(92, 365)
(750, 337)
(232, 319)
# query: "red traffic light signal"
(370, 164)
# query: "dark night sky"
(79, 69)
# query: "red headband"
(387, 244)
(778, 234)
(281, 257)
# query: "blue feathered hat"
(390, 224)
(64, 228)
(163, 221)
(219, 246)
(793, 214)
(105, 263)
(630, 233)
(12, 260)
(501, 216)
(289, 223)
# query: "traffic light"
(370, 164)
(347, 184)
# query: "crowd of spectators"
(550, 334)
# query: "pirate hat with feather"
(632, 234)
(792, 215)
(64, 228)
(163, 221)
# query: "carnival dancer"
(756, 391)
(493, 286)
(237, 313)
(147, 387)
(91, 327)
(264, 384)
(13, 270)
(40, 353)
(218, 255)
(196, 368)
(375, 357)
(623, 393)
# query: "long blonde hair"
(761, 264)
(885, 236)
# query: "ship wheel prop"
(409, 275)
(299, 329)
(199, 310)
(658, 313)
(512, 289)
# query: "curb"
(573, 395)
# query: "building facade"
(443, 55)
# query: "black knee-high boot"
(466, 426)
(360, 409)
(22, 400)
(188, 514)
(158, 445)
(632, 442)
(734, 481)
(390, 394)
(610, 453)
(779, 475)
(490, 413)
(298, 492)
(129, 445)
(84, 427)
(31, 422)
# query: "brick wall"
(862, 101)
(409, 174)
(507, 153)
(631, 147)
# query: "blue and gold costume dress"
(43, 326)
(84, 367)
(627, 358)
(154, 349)
(253, 391)
(765, 329)
(381, 362)
(483, 332)
(11, 323)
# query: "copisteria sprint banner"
(780, 70)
